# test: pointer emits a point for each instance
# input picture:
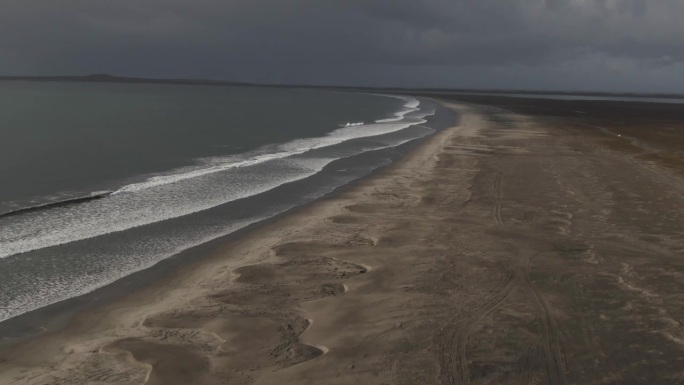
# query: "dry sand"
(503, 250)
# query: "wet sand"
(518, 247)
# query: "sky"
(589, 45)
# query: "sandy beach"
(528, 244)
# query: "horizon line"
(107, 78)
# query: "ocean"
(100, 181)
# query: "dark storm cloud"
(590, 44)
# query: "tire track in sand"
(455, 351)
(552, 345)
(550, 341)
(498, 192)
(555, 362)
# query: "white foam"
(295, 147)
(138, 255)
(170, 196)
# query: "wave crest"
(352, 124)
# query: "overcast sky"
(616, 45)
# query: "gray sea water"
(103, 180)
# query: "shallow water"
(176, 175)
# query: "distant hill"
(106, 78)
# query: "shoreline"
(55, 316)
(509, 248)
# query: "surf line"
(50, 205)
